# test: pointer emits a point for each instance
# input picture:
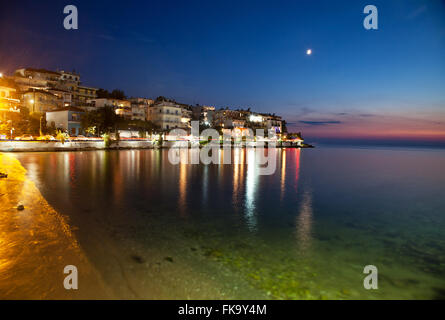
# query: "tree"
(118, 94)
(283, 126)
(203, 126)
(104, 119)
(22, 123)
(164, 99)
(90, 130)
(51, 129)
(102, 93)
(115, 94)
(137, 125)
(295, 135)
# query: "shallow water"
(157, 230)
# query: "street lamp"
(31, 102)
(1, 75)
(40, 131)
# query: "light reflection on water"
(251, 190)
(339, 209)
(304, 222)
(283, 173)
(182, 202)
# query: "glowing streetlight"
(31, 101)
(1, 75)
(309, 52)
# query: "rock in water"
(20, 207)
(137, 259)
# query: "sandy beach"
(37, 243)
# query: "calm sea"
(157, 230)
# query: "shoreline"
(37, 243)
(56, 146)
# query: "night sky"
(386, 84)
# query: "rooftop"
(41, 71)
(67, 109)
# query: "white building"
(107, 102)
(273, 122)
(68, 119)
(166, 115)
(139, 108)
(186, 117)
(8, 102)
(138, 112)
(41, 79)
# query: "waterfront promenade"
(50, 146)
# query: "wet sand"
(37, 243)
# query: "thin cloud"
(320, 123)
(417, 12)
(301, 110)
(106, 37)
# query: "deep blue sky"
(252, 54)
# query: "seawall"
(49, 146)
(30, 146)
